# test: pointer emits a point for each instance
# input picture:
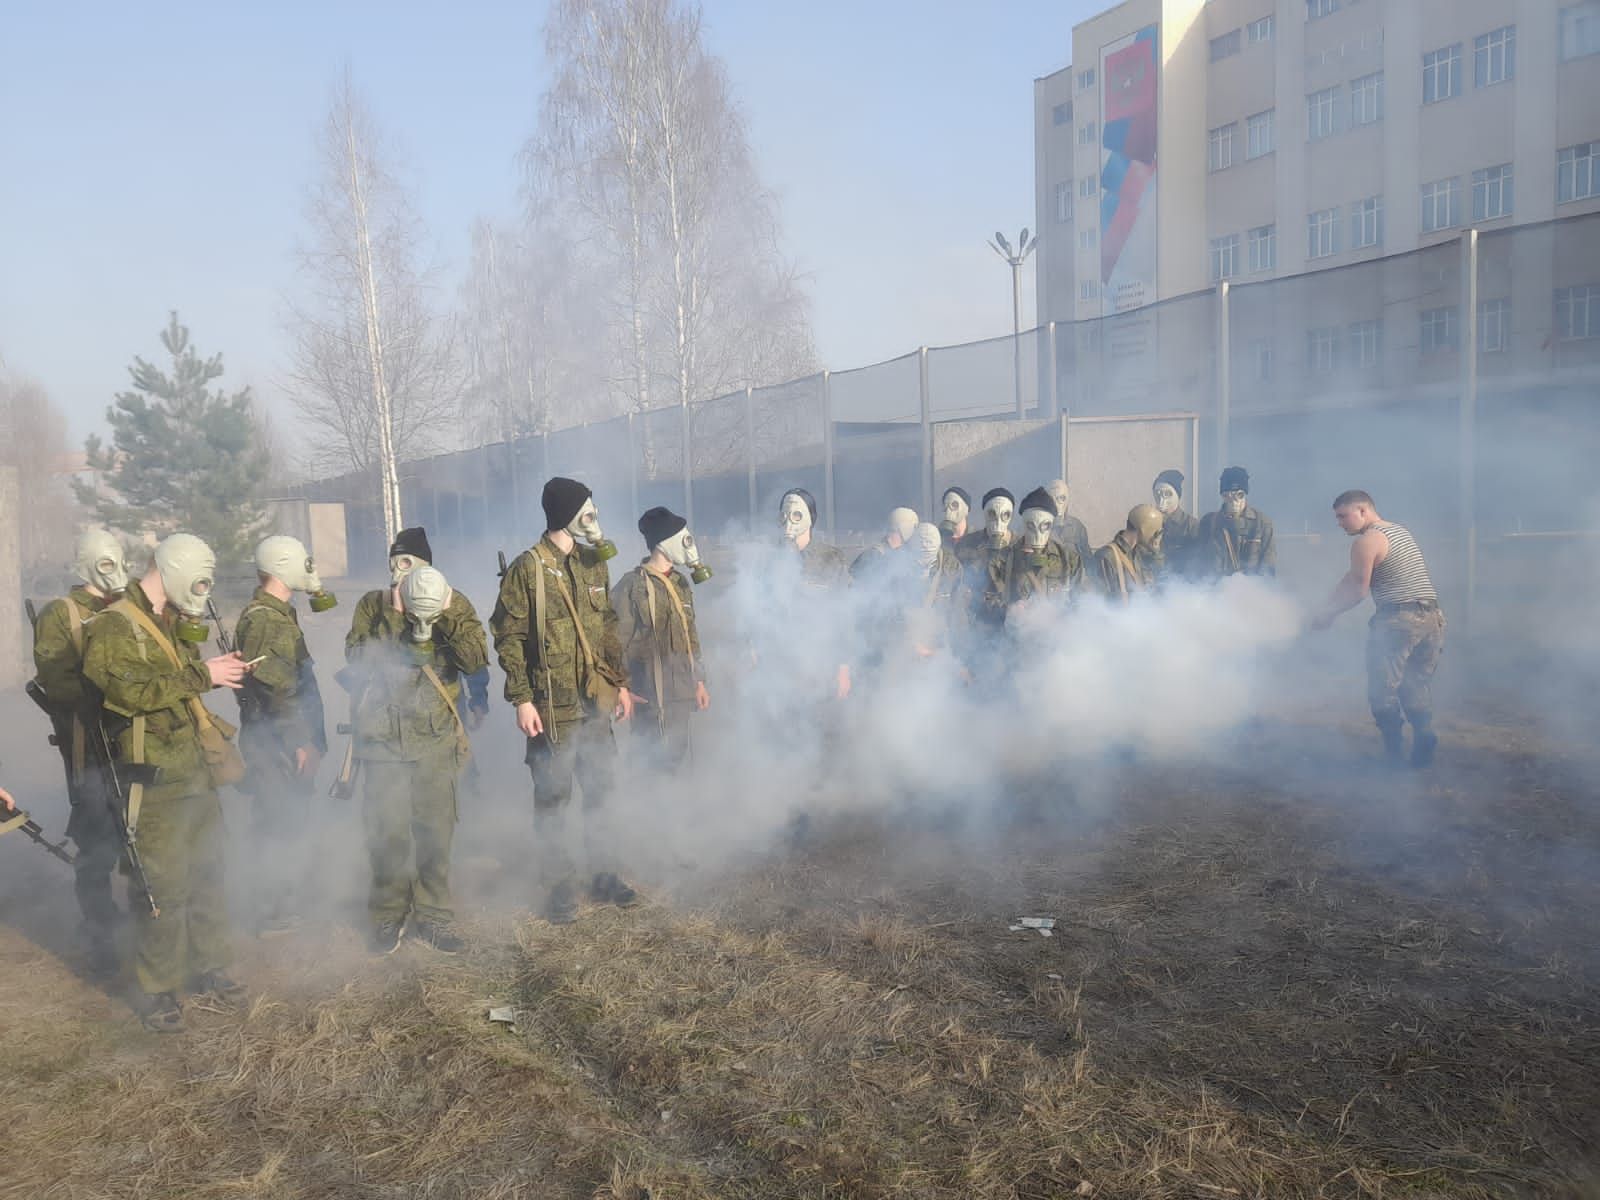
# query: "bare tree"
(375, 377)
(643, 151)
(33, 440)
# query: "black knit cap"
(1235, 479)
(413, 541)
(562, 499)
(959, 491)
(1171, 476)
(810, 501)
(658, 524)
(993, 492)
(1040, 499)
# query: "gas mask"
(955, 513)
(1058, 493)
(586, 527)
(902, 524)
(424, 595)
(997, 522)
(401, 565)
(796, 518)
(925, 543)
(100, 562)
(1145, 522)
(1036, 526)
(681, 551)
(1233, 504)
(1166, 497)
(187, 568)
(285, 558)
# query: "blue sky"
(158, 157)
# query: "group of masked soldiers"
(119, 669)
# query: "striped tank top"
(1402, 576)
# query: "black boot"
(1423, 741)
(1394, 742)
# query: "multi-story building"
(1197, 140)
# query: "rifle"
(21, 820)
(117, 802)
(224, 642)
(33, 614)
(344, 784)
(500, 554)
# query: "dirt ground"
(1285, 979)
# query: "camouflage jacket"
(1180, 534)
(1069, 531)
(938, 611)
(988, 581)
(1120, 572)
(969, 547)
(1059, 578)
(136, 678)
(58, 651)
(823, 566)
(280, 700)
(644, 641)
(1241, 546)
(870, 560)
(553, 674)
(397, 714)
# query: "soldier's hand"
(625, 702)
(528, 719)
(306, 761)
(394, 600)
(227, 670)
(6, 802)
(702, 698)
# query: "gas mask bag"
(100, 561)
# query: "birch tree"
(375, 377)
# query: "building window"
(1441, 205)
(1086, 79)
(1491, 193)
(1086, 133)
(1494, 326)
(1578, 312)
(1088, 289)
(1260, 134)
(1366, 99)
(1322, 233)
(1086, 239)
(1260, 31)
(1219, 155)
(1438, 329)
(1225, 46)
(1088, 186)
(1575, 173)
(1261, 359)
(1322, 110)
(1364, 343)
(1321, 8)
(1224, 257)
(1580, 30)
(1366, 223)
(1494, 56)
(1322, 348)
(1061, 114)
(1064, 202)
(1441, 74)
(1263, 244)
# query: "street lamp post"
(1015, 258)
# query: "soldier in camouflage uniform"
(407, 649)
(141, 653)
(283, 735)
(566, 678)
(822, 567)
(1067, 529)
(58, 640)
(1180, 530)
(966, 544)
(902, 523)
(659, 637)
(1042, 567)
(1236, 539)
(1130, 562)
(937, 612)
(989, 570)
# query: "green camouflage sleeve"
(511, 625)
(610, 648)
(275, 639)
(362, 622)
(463, 634)
(55, 658)
(1269, 549)
(135, 677)
(694, 634)
(624, 603)
(1075, 573)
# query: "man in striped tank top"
(1406, 634)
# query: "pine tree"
(182, 456)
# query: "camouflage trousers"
(409, 811)
(661, 740)
(582, 752)
(1403, 648)
(181, 846)
(282, 868)
(93, 829)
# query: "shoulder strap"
(197, 711)
(75, 619)
(1124, 567)
(655, 649)
(539, 628)
(577, 625)
(444, 694)
(79, 735)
